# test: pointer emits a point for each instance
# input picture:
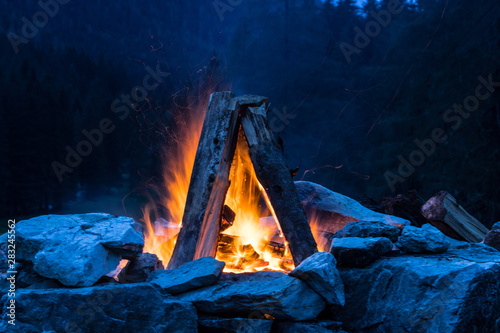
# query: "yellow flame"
(252, 248)
(248, 199)
(178, 161)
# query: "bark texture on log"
(209, 181)
(273, 174)
(443, 211)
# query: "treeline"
(351, 90)
(363, 84)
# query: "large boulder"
(271, 293)
(427, 239)
(493, 237)
(320, 273)
(109, 308)
(328, 211)
(194, 274)
(367, 229)
(359, 252)
(77, 249)
(456, 291)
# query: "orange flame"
(252, 247)
(178, 164)
(253, 243)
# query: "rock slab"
(359, 252)
(110, 308)
(195, 274)
(77, 249)
(455, 291)
(320, 273)
(307, 327)
(329, 211)
(233, 325)
(427, 239)
(367, 229)
(272, 293)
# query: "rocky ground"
(380, 274)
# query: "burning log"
(275, 177)
(443, 211)
(227, 220)
(204, 215)
(209, 181)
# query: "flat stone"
(77, 249)
(195, 274)
(427, 239)
(208, 324)
(455, 291)
(320, 273)
(359, 252)
(139, 269)
(367, 229)
(272, 293)
(329, 211)
(307, 327)
(109, 308)
(493, 237)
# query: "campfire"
(217, 204)
(237, 250)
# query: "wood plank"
(443, 208)
(273, 174)
(209, 181)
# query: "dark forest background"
(346, 125)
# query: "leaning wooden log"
(273, 174)
(443, 211)
(209, 181)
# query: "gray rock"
(47, 284)
(4, 261)
(307, 327)
(195, 274)
(139, 269)
(366, 229)
(493, 237)
(329, 211)
(456, 291)
(359, 252)
(109, 308)
(208, 324)
(77, 249)
(272, 293)
(320, 273)
(26, 276)
(427, 239)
